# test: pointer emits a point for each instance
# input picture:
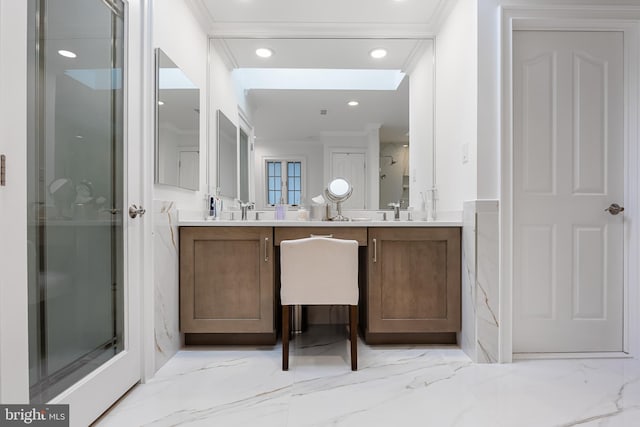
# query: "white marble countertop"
(286, 223)
(194, 219)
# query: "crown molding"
(226, 54)
(442, 12)
(318, 30)
(201, 14)
(415, 55)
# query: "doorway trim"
(564, 18)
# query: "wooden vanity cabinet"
(227, 285)
(413, 291)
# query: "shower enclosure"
(75, 190)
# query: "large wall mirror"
(330, 107)
(177, 126)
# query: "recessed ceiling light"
(67, 53)
(353, 103)
(160, 102)
(405, 145)
(263, 52)
(378, 53)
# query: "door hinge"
(3, 170)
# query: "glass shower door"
(76, 192)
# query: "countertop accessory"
(337, 191)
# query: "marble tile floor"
(395, 386)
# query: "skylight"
(317, 79)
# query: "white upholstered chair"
(319, 271)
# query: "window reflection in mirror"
(177, 126)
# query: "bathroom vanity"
(409, 279)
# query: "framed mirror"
(227, 135)
(177, 136)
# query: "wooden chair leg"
(353, 326)
(285, 337)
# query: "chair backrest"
(319, 270)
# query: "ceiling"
(324, 11)
(295, 114)
(322, 53)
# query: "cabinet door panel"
(226, 280)
(227, 286)
(414, 280)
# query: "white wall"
(488, 151)
(310, 151)
(456, 106)
(187, 47)
(421, 93)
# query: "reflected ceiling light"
(353, 103)
(405, 145)
(378, 53)
(67, 53)
(79, 136)
(263, 52)
(160, 102)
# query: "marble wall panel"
(168, 338)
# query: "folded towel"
(318, 199)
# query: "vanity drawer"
(349, 233)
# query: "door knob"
(134, 211)
(614, 209)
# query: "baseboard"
(585, 355)
(269, 338)
(410, 338)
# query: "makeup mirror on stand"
(337, 191)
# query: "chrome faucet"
(396, 210)
(244, 207)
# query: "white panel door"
(351, 166)
(568, 168)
